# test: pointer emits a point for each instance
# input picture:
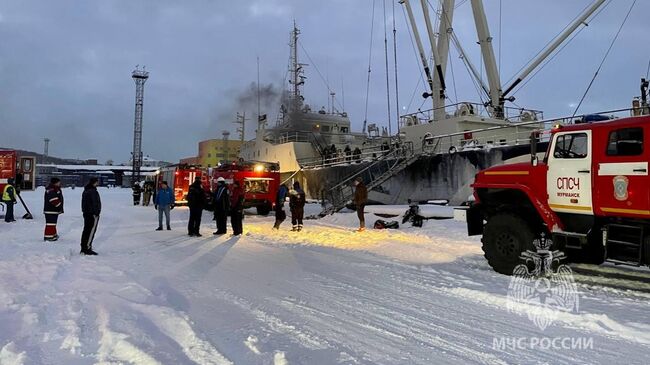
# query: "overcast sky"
(65, 65)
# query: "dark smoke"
(240, 101)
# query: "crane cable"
(387, 70)
(395, 66)
(611, 45)
(372, 30)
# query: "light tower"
(46, 147)
(140, 76)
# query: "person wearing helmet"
(221, 199)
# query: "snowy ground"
(322, 296)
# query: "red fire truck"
(7, 167)
(180, 177)
(260, 181)
(590, 195)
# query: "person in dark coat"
(280, 214)
(164, 201)
(221, 202)
(297, 206)
(196, 202)
(237, 209)
(137, 192)
(91, 207)
(360, 200)
(9, 198)
(356, 154)
(52, 208)
(348, 152)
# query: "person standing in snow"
(297, 206)
(164, 202)
(237, 209)
(221, 203)
(148, 191)
(280, 215)
(196, 202)
(137, 192)
(91, 207)
(9, 198)
(360, 200)
(52, 207)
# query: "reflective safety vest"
(5, 193)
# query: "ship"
(300, 133)
(437, 152)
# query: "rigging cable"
(453, 77)
(611, 45)
(372, 29)
(395, 66)
(647, 73)
(329, 89)
(387, 71)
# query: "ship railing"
(372, 174)
(366, 154)
(505, 135)
(513, 115)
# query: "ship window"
(344, 129)
(625, 142)
(325, 128)
(571, 146)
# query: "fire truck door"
(569, 173)
(622, 183)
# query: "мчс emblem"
(620, 187)
(545, 290)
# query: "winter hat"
(359, 179)
(54, 180)
(296, 185)
(92, 180)
(10, 181)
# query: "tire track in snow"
(178, 328)
(114, 345)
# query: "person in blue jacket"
(280, 214)
(164, 203)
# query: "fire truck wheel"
(263, 210)
(505, 237)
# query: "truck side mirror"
(534, 136)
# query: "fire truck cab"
(260, 181)
(180, 177)
(590, 195)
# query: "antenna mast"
(139, 76)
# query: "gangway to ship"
(373, 175)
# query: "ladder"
(373, 175)
(318, 141)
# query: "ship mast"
(295, 69)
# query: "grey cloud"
(65, 65)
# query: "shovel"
(27, 215)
